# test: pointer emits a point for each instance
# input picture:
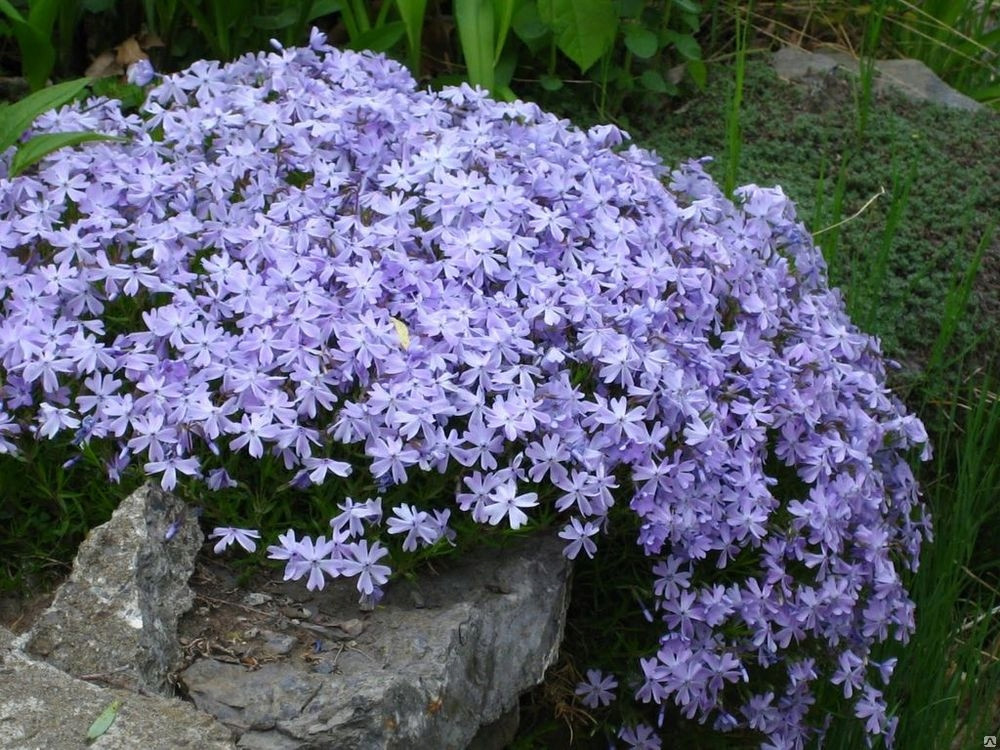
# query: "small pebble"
(353, 627)
(278, 644)
(256, 598)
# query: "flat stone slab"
(117, 613)
(42, 708)
(441, 657)
(911, 78)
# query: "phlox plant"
(298, 257)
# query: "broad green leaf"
(99, 6)
(505, 13)
(687, 6)
(698, 72)
(292, 17)
(476, 33)
(686, 44)
(503, 71)
(692, 21)
(402, 331)
(42, 16)
(527, 24)
(11, 12)
(506, 94)
(324, 8)
(42, 145)
(203, 25)
(641, 41)
(38, 56)
(653, 81)
(103, 722)
(282, 20)
(412, 12)
(16, 118)
(584, 29)
(550, 83)
(986, 93)
(630, 8)
(380, 38)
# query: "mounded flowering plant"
(299, 257)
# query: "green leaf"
(584, 29)
(985, 93)
(38, 56)
(653, 81)
(506, 93)
(505, 13)
(98, 6)
(476, 34)
(412, 12)
(279, 21)
(630, 8)
(686, 44)
(527, 24)
(687, 6)
(16, 118)
(640, 41)
(42, 145)
(380, 38)
(698, 72)
(42, 16)
(692, 21)
(103, 722)
(11, 12)
(503, 70)
(550, 83)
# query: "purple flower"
(229, 534)
(504, 502)
(312, 557)
(391, 459)
(140, 73)
(170, 467)
(578, 535)
(418, 526)
(597, 690)
(363, 563)
(640, 737)
(354, 515)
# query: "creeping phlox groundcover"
(324, 256)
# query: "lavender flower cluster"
(324, 256)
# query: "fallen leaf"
(129, 52)
(104, 65)
(403, 332)
(103, 722)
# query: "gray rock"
(42, 708)
(6, 638)
(499, 734)
(278, 644)
(795, 63)
(417, 677)
(911, 78)
(918, 82)
(117, 614)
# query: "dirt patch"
(267, 620)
